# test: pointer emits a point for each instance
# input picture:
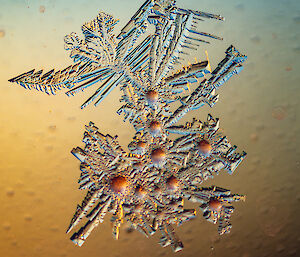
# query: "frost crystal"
(147, 186)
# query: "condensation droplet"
(254, 137)
(42, 9)
(10, 192)
(240, 7)
(255, 39)
(30, 192)
(28, 217)
(288, 68)
(49, 148)
(52, 128)
(6, 226)
(54, 229)
(2, 33)
(279, 113)
(72, 118)
(14, 243)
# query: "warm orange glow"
(172, 183)
(158, 155)
(118, 184)
(204, 146)
(141, 144)
(152, 96)
(155, 127)
(215, 205)
(140, 192)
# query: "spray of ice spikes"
(147, 185)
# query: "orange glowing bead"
(118, 184)
(172, 183)
(204, 146)
(152, 96)
(215, 205)
(141, 144)
(158, 155)
(155, 127)
(140, 192)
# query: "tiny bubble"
(28, 217)
(10, 192)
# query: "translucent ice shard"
(109, 60)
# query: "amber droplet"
(158, 155)
(155, 127)
(204, 146)
(279, 113)
(215, 205)
(118, 184)
(152, 96)
(2, 33)
(42, 9)
(140, 192)
(141, 144)
(172, 183)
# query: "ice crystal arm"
(189, 74)
(101, 58)
(147, 186)
(91, 54)
(206, 91)
(217, 208)
(196, 127)
(229, 66)
(133, 29)
(175, 36)
(169, 237)
(79, 237)
(81, 211)
(99, 43)
(51, 81)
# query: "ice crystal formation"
(147, 185)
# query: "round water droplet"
(172, 183)
(158, 155)
(42, 9)
(10, 192)
(118, 184)
(279, 113)
(6, 226)
(28, 217)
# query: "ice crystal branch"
(147, 185)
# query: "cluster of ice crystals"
(147, 185)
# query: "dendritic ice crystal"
(147, 185)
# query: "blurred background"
(259, 111)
